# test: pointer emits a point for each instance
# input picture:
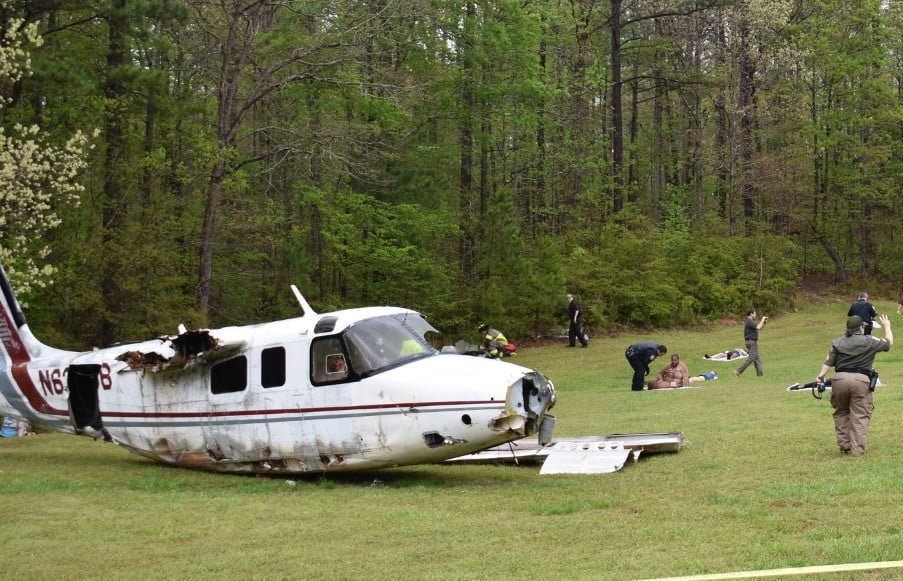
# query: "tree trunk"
(579, 123)
(747, 96)
(633, 189)
(114, 92)
(695, 131)
(485, 171)
(840, 269)
(617, 122)
(866, 248)
(235, 52)
(866, 244)
(205, 272)
(315, 171)
(723, 145)
(658, 138)
(465, 143)
(538, 214)
(150, 129)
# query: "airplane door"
(281, 386)
(342, 430)
(257, 403)
(225, 428)
(84, 402)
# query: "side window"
(229, 376)
(272, 367)
(327, 361)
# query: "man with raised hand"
(852, 356)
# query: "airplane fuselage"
(351, 390)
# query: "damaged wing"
(579, 455)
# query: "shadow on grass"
(147, 475)
(90, 464)
(438, 476)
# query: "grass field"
(759, 485)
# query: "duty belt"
(860, 370)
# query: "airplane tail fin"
(20, 396)
(17, 339)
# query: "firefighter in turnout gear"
(493, 342)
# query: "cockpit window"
(370, 346)
(382, 342)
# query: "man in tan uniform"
(852, 356)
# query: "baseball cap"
(854, 322)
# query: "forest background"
(669, 162)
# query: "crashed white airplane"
(357, 389)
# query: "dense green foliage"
(474, 160)
(759, 485)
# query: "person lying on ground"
(14, 428)
(728, 355)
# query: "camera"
(818, 388)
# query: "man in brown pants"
(852, 356)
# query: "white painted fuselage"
(350, 390)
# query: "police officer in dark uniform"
(863, 309)
(851, 356)
(640, 356)
(575, 323)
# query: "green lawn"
(759, 485)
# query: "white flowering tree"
(35, 176)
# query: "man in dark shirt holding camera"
(751, 336)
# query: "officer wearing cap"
(862, 308)
(640, 355)
(851, 356)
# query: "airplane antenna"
(305, 306)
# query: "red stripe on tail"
(19, 358)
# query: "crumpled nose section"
(528, 400)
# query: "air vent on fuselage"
(325, 325)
